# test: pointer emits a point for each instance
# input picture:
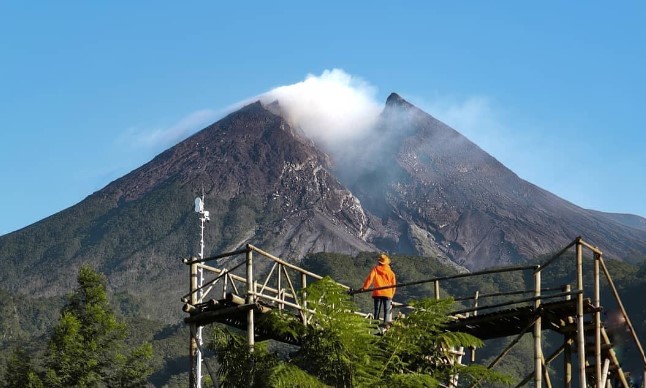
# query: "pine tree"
(87, 347)
(19, 372)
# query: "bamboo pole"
(241, 279)
(597, 323)
(506, 351)
(556, 256)
(567, 360)
(613, 358)
(194, 260)
(579, 314)
(567, 345)
(304, 296)
(623, 313)
(549, 359)
(511, 344)
(250, 299)
(225, 285)
(595, 250)
(604, 373)
(475, 314)
(458, 276)
(193, 328)
(548, 382)
(281, 306)
(520, 292)
(501, 304)
(288, 265)
(267, 278)
(222, 273)
(538, 351)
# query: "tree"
(19, 372)
(238, 366)
(340, 348)
(87, 346)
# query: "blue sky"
(89, 91)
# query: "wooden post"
(225, 285)
(193, 378)
(538, 351)
(631, 328)
(279, 287)
(567, 352)
(250, 299)
(597, 323)
(304, 297)
(567, 360)
(475, 313)
(436, 289)
(579, 314)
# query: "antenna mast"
(204, 216)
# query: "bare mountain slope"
(439, 192)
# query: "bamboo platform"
(232, 311)
(510, 322)
(248, 297)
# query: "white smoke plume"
(331, 109)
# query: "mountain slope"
(442, 194)
(264, 183)
(416, 186)
(630, 220)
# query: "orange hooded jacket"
(381, 275)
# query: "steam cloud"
(331, 109)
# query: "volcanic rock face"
(443, 194)
(414, 186)
(253, 153)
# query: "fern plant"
(339, 348)
(422, 353)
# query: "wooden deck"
(555, 315)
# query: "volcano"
(412, 186)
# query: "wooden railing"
(281, 284)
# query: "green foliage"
(238, 366)
(87, 345)
(339, 348)
(135, 368)
(19, 372)
(410, 363)
(24, 319)
(286, 375)
(67, 365)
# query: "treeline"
(39, 337)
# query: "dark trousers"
(385, 304)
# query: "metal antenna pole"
(204, 216)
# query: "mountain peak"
(396, 100)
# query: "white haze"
(161, 138)
(332, 109)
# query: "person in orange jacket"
(382, 275)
